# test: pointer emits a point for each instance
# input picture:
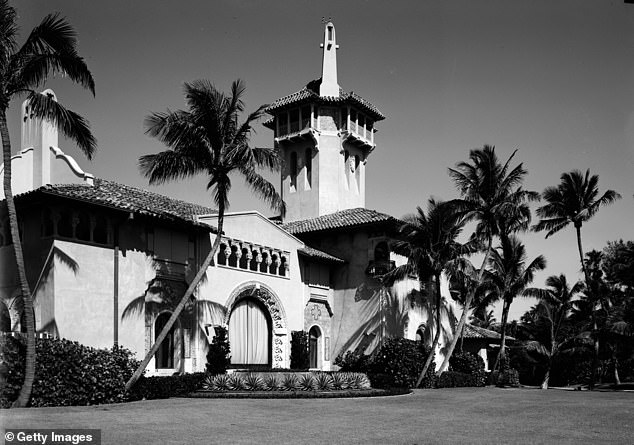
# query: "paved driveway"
(464, 415)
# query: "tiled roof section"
(314, 253)
(471, 331)
(343, 219)
(130, 199)
(311, 93)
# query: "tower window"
(293, 172)
(305, 112)
(309, 167)
(357, 173)
(294, 117)
(330, 33)
(346, 160)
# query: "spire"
(329, 85)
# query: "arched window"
(233, 258)
(274, 264)
(254, 261)
(244, 258)
(293, 172)
(263, 265)
(308, 159)
(165, 355)
(250, 333)
(282, 268)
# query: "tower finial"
(329, 85)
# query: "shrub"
(271, 382)
(323, 381)
(218, 358)
(67, 373)
(506, 376)
(289, 382)
(235, 382)
(220, 382)
(253, 382)
(470, 364)
(454, 379)
(164, 387)
(353, 362)
(299, 350)
(398, 364)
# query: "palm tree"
(575, 200)
(50, 48)
(491, 194)
(510, 274)
(207, 139)
(429, 243)
(553, 313)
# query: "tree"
(550, 325)
(491, 193)
(50, 48)
(207, 139)
(510, 275)
(429, 243)
(574, 201)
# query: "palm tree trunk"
(502, 353)
(178, 309)
(465, 311)
(615, 361)
(29, 370)
(595, 333)
(546, 377)
(434, 344)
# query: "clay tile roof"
(130, 199)
(318, 254)
(311, 93)
(339, 220)
(471, 331)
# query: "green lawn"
(461, 415)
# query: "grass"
(460, 415)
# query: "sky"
(553, 80)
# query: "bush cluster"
(471, 365)
(164, 387)
(454, 379)
(505, 376)
(398, 363)
(299, 350)
(67, 373)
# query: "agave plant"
(253, 382)
(208, 382)
(323, 381)
(290, 382)
(360, 381)
(339, 381)
(220, 382)
(307, 382)
(271, 382)
(235, 382)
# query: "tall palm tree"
(491, 194)
(430, 245)
(207, 139)
(555, 304)
(510, 274)
(574, 201)
(50, 48)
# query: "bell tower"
(325, 136)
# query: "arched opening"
(222, 256)
(314, 356)
(164, 358)
(244, 258)
(250, 333)
(420, 333)
(293, 171)
(308, 155)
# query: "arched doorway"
(314, 336)
(165, 356)
(250, 333)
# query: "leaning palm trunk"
(465, 311)
(179, 308)
(434, 343)
(29, 370)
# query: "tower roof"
(310, 94)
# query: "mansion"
(106, 262)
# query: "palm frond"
(73, 126)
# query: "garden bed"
(204, 394)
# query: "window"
(293, 171)
(305, 117)
(346, 160)
(330, 33)
(282, 268)
(250, 333)
(233, 258)
(244, 258)
(100, 232)
(357, 172)
(222, 256)
(82, 230)
(308, 156)
(65, 224)
(165, 355)
(149, 238)
(48, 226)
(294, 117)
(282, 120)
